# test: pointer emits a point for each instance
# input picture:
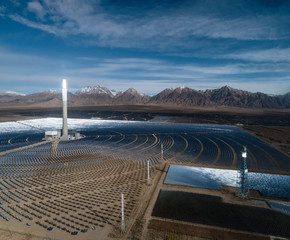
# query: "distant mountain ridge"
(95, 90)
(181, 96)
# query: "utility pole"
(148, 172)
(122, 213)
(161, 151)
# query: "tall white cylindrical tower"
(64, 108)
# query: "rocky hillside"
(181, 96)
(98, 95)
(227, 96)
(20, 99)
(131, 96)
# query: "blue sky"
(148, 45)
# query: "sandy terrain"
(218, 115)
(276, 136)
(118, 173)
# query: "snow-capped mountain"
(11, 93)
(102, 95)
(95, 90)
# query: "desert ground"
(71, 198)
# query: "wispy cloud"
(162, 27)
(199, 44)
(267, 55)
(146, 75)
(152, 74)
(136, 72)
(2, 11)
(210, 27)
(44, 27)
(36, 8)
(15, 2)
(28, 72)
(7, 57)
(69, 18)
(162, 68)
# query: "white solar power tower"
(64, 108)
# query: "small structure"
(57, 135)
(72, 135)
(50, 135)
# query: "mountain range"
(181, 96)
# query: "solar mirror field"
(71, 189)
